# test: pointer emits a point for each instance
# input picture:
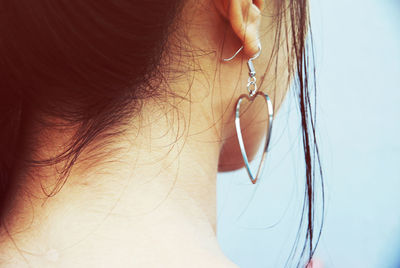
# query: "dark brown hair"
(90, 62)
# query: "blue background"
(357, 47)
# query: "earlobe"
(245, 18)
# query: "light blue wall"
(358, 63)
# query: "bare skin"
(151, 201)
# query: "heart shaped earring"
(253, 93)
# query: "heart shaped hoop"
(253, 93)
(240, 137)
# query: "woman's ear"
(245, 18)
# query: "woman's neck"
(154, 192)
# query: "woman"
(117, 116)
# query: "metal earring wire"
(251, 82)
(253, 93)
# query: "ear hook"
(252, 71)
(240, 49)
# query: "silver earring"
(253, 93)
